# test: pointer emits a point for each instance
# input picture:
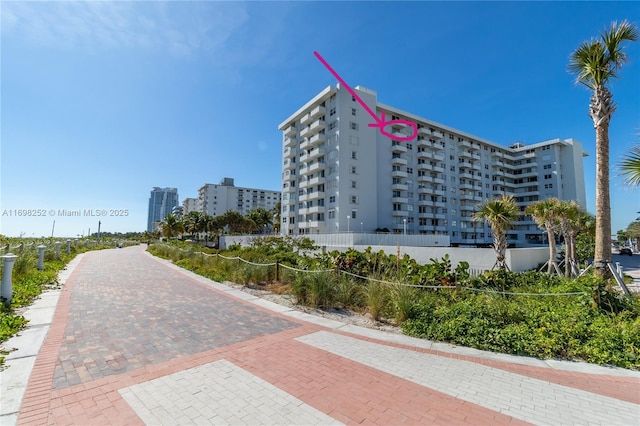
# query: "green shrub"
(23, 265)
(300, 288)
(403, 299)
(375, 294)
(320, 289)
(347, 293)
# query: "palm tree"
(193, 223)
(569, 215)
(630, 167)
(276, 218)
(595, 63)
(546, 214)
(171, 226)
(261, 217)
(499, 214)
(634, 231)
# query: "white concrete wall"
(479, 259)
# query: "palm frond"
(596, 61)
(613, 38)
(630, 167)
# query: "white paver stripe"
(512, 394)
(218, 393)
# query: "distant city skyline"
(102, 101)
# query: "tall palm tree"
(499, 214)
(546, 214)
(595, 63)
(630, 167)
(171, 226)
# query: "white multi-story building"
(341, 175)
(216, 200)
(189, 205)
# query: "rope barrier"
(523, 294)
(256, 264)
(306, 270)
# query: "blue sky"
(102, 101)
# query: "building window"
(410, 170)
(354, 126)
(354, 199)
(354, 170)
(354, 214)
(354, 155)
(354, 140)
(397, 207)
(332, 199)
(354, 184)
(353, 111)
(332, 214)
(332, 112)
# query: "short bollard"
(41, 257)
(68, 246)
(58, 250)
(6, 292)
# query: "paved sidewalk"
(136, 340)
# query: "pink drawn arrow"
(381, 123)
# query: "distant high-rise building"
(216, 200)
(339, 174)
(162, 201)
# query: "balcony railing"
(290, 131)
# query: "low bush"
(596, 325)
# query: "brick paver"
(525, 398)
(134, 342)
(127, 312)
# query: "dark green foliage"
(596, 325)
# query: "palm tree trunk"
(603, 203)
(500, 247)
(552, 250)
(572, 255)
